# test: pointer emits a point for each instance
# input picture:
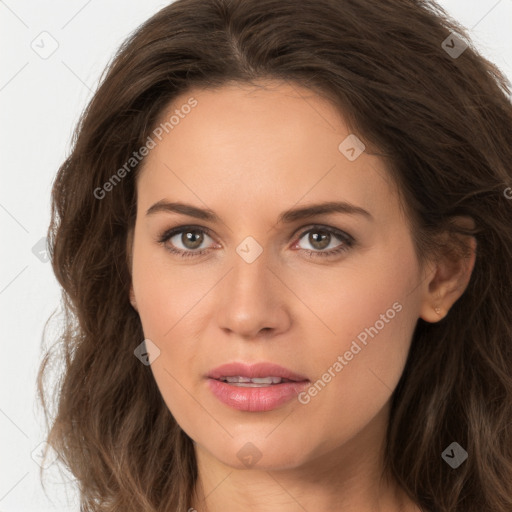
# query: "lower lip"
(265, 398)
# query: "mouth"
(256, 382)
(260, 374)
(234, 384)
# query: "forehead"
(273, 145)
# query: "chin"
(262, 454)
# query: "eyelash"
(348, 241)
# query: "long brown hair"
(442, 121)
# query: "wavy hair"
(442, 122)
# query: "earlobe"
(432, 308)
(450, 280)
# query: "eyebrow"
(288, 216)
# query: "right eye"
(191, 237)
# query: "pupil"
(314, 240)
(189, 238)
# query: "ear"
(129, 252)
(449, 277)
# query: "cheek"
(166, 294)
(357, 373)
(165, 291)
(371, 316)
(363, 291)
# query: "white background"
(40, 101)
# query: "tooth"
(258, 381)
(264, 380)
(250, 385)
(237, 379)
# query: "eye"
(191, 238)
(322, 237)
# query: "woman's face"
(332, 297)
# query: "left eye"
(192, 238)
(322, 237)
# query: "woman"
(284, 241)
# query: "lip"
(263, 369)
(260, 399)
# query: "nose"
(252, 300)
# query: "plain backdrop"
(52, 56)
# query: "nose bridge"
(250, 274)
(251, 300)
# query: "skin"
(248, 154)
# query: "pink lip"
(255, 399)
(254, 370)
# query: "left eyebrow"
(306, 212)
(288, 216)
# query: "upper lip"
(263, 369)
